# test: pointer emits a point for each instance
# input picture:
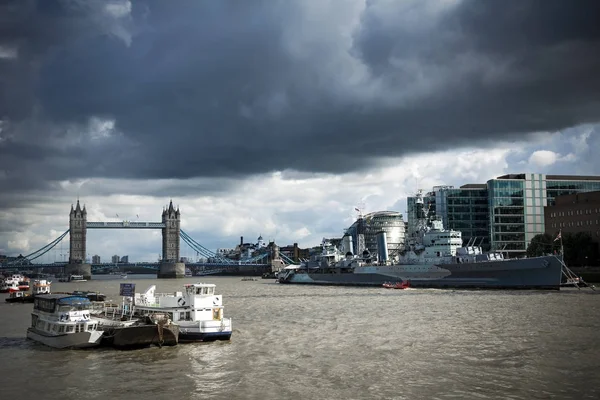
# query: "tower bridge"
(169, 266)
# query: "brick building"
(574, 213)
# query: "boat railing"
(157, 295)
(149, 301)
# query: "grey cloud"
(230, 89)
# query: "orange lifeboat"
(397, 285)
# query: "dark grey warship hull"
(542, 273)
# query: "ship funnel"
(382, 247)
(347, 244)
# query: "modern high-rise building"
(506, 212)
(467, 210)
(517, 201)
(96, 259)
(503, 214)
(115, 259)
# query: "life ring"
(181, 302)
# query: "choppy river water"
(311, 342)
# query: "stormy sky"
(279, 117)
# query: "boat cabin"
(40, 286)
(197, 302)
(62, 313)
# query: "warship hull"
(543, 273)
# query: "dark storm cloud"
(229, 88)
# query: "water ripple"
(295, 342)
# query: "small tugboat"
(40, 286)
(397, 285)
(63, 321)
(19, 297)
(198, 311)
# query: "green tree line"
(579, 248)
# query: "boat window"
(61, 329)
(187, 316)
(199, 291)
(181, 316)
(70, 328)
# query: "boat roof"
(200, 284)
(60, 296)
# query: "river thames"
(311, 342)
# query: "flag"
(356, 209)
(117, 215)
(137, 215)
(557, 236)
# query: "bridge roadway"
(125, 225)
(147, 265)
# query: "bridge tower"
(276, 261)
(170, 267)
(77, 243)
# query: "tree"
(542, 244)
(580, 249)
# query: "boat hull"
(205, 331)
(20, 299)
(542, 273)
(139, 336)
(76, 340)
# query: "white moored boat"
(40, 286)
(198, 311)
(63, 321)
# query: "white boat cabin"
(198, 302)
(40, 286)
(59, 314)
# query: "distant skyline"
(279, 118)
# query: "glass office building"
(467, 211)
(516, 206)
(506, 212)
